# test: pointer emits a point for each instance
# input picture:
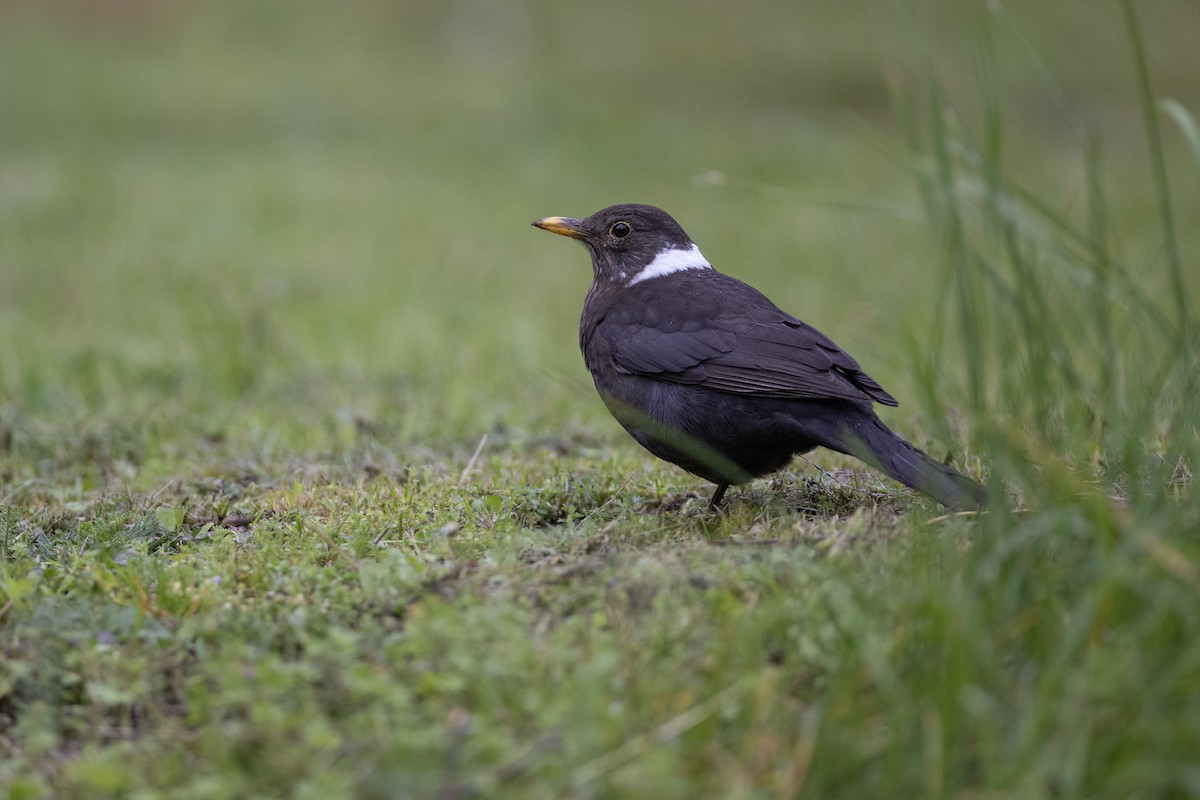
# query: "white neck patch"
(669, 261)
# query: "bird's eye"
(620, 230)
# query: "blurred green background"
(283, 222)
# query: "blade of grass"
(1158, 165)
(1186, 124)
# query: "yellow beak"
(563, 226)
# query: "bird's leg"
(718, 495)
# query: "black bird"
(707, 373)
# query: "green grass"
(305, 492)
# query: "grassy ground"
(304, 490)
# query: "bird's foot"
(718, 495)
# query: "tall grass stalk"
(1158, 165)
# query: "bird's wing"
(788, 358)
(761, 351)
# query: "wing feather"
(777, 356)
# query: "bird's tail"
(867, 438)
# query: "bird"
(707, 373)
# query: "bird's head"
(630, 243)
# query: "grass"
(304, 491)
